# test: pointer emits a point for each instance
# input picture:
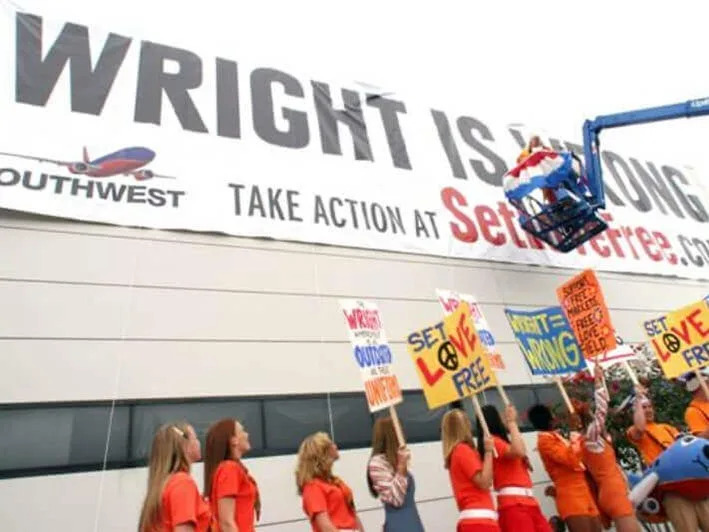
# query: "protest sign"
(680, 339)
(371, 353)
(581, 298)
(449, 301)
(449, 358)
(546, 341)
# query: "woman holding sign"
(519, 510)
(470, 476)
(389, 479)
(327, 500)
(601, 461)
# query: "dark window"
(146, 419)
(41, 439)
(55, 437)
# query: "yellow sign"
(450, 359)
(680, 339)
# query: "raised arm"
(554, 450)
(597, 428)
(639, 421)
(517, 447)
(390, 484)
(483, 478)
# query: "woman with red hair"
(232, 491)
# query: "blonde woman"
(470, 476)
(173, 502)
(327, 500)
(232, 491)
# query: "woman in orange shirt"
(232, 492)
(470, 476)
(562, 461)
(600, 459)
(327, 500)
(518, 509)
(173, 502)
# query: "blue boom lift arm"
(592, 128)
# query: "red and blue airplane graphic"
(128, 161)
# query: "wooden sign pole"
(562, 390)
(631, 373)
(397, 426)
(483, 423)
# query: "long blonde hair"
(314, 460)
(167, 456)
(455, 428)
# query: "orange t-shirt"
(231, 480)
(464, 464)
(510, 472)
(656, 438)
(697, 416)
(334, 498)
(182, 504)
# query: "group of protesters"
(588, 486)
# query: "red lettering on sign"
(685, 331)
(363, 319)
(464, 333)
(664, 355)
(449, 304)
(431, 379)
(698, 325)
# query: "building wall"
(99, 313)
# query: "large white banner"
(177, 137)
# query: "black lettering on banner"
(87, 188)
(36, 78)
(656, 187)
(611, 194)
(228, 115)
(156, 197)
(27, 181)
(556, 144)
(293, 205)
(446, 137)
(136, 194)
(262, 82)
(686, 246)
(320, 215)
(337, 222)
(466, 126)
(237, 197)
(59, 182)
(110, 190)
(701, 245)
(153, 80)
(420, 224)
(613, 160)
(388, 110)
(517, 135)
(14, 177)
(691, 203)
(351, 116)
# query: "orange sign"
(582, 300)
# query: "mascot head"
(682, 468)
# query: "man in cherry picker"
(533, 145)
(537, 162)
